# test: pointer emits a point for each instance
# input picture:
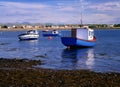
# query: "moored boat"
(80, 37)
(51, 33)
(29, 35)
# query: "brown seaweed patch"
(57, 78)
(18, 63)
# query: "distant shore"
(18, 29)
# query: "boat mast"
(81, 21)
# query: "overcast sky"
(60, 11)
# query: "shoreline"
(22, 73)
(19, 29)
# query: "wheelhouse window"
(91, 33)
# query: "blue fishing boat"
(52, 33)
(29, 35)
(80, 37)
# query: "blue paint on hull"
(74, 42)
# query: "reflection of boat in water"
(51, 33)
(29, 35)
(80, 37)
(78, 58)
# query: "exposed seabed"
(22, 73)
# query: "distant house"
(9, 27)
(110, 25)
(41, 26)
(36, 26)
(67, 26)
(14, 26)
(61, 26)
(27, 26)
(54, 26)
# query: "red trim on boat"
(94, 39)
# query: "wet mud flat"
(22, 73)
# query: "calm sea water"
(104, 57)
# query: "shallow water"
(104, 57)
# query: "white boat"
(29, 35)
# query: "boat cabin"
(83, 33)
(54, 32)
(32, 32)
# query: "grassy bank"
(21, 73)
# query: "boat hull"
(28, 37)
(75, 42)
